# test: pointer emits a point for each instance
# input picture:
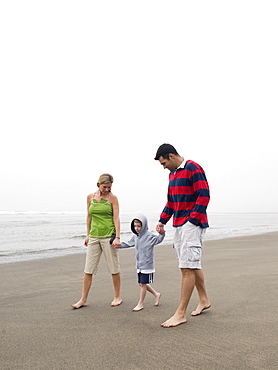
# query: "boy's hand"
(160, 228)
(116, 243)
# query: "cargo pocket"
(194, 254)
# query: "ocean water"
(35, 235)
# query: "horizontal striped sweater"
(188, 196)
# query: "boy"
(144, 242)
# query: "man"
(188, 197)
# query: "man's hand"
(160, 228)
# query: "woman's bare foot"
(157, 298)
(200, 308)
(79, 304)
(116, 302)
(139, 307)
(174, 321)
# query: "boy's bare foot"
(139, 307)
(200, 308)
(79, 304)
(157, 298)
(116, 302)
(173, 321)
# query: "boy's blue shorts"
(145, 278)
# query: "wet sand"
(40, 330)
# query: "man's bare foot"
(116, 302)
(139, 307)
(200, 308)
(79, 304)
(173, 321)
(157, 298)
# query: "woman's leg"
(117, 289)
(87, 282)
(112, 260)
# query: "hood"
(144, 222)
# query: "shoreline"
(163, 244)
(40, 330)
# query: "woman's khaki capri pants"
(94, 251)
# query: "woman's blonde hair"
(105, 178)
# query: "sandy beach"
(40, 330)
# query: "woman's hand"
(86, 241)
(116, 243)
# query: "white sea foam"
(31, 235)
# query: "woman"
(102, 221)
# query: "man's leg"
(203, 298)
(187, 286)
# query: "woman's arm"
(116, 218)
(88, 219)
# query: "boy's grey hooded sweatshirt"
(144, 244)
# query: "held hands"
(160, 228)
(116, 243)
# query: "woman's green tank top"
(102, 224)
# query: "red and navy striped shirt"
(188, 196)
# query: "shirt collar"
(180, 166)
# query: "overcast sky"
(89, 87)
